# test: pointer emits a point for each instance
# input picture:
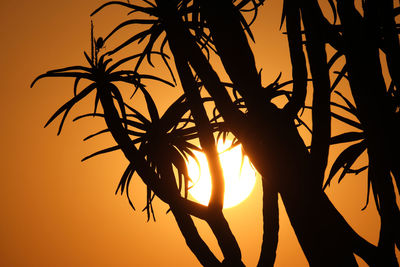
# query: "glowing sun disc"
(239, 179)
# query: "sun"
(239, 178)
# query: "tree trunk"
(376, 115)
(216, 219)
(279, 154)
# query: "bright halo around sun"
(239, 179)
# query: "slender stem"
(299, 68)
(193, 239)
(233, 49)
(270, 226)
(226, 240)
(180, 37)
(321, 114)
(182, 44)
(205, 130)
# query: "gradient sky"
(57, 211)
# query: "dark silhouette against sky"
(175, 76)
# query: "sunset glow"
(239, 179)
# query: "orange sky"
(57, 211)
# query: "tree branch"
(321, 114)
(233, 49)
(271, 225)
(205, 130)
(299, 68)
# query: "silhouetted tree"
(187, 32)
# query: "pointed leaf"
(346, 158)
(103, 151)
(151, 106)
(349, 104)
(118, 97)
(174, 113)
(130, 22)
(134, 38)
(146, 10)
(67, 74)
(138, 115)
(127, 174)
(333, 8)
(76, 85)
(96, 134)
(348, 121)
(67, 106)
(347, 137)
(340, 76)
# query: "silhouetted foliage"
(185, 34)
